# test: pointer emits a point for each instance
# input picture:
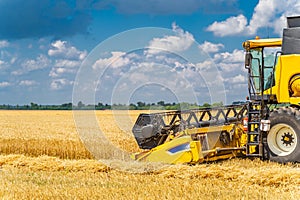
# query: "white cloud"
(181, 41)
(279, 24)
(4, 43)
(235, 56)
(210, 47)
(39, 63)
(68, 58)
(228, 62)
(29, 65)
(67, 63)
(58, 84)
(62, 49)
(237, 79)
(28, 83)
(1, 63)
(205, 65)
(13, 60)
(230, 67)
(287, 8)
(17, 72)
(4, 84)
(264, 11)
(267, 13)
(240, 87)
(59, 71)
(63, 66)
(224, 69)
(116, 60)
(231, 26)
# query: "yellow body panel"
(271, 42)
(187, 151)
(287, 67)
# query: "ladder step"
(253, 137)
(252, 143)
(253, 133)
(253, 122)
(254, 154)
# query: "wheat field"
(42, 157)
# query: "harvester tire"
(283, 139)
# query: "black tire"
(283, 139)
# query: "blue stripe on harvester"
(179, 148)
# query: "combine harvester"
(264, 127)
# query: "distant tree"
(132, 106)
(217, 104)
(66, 106)
(80, 105)
(33, 106)
(141, 104)
(161, 103)
(206, 105)
(107, 106)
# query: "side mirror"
(248, 58)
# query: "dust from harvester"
(51, 162)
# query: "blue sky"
(192, 52)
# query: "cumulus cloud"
(39, 63)
(4, 43)
(4, 84)
(267, 13)
(205, 65)
(237, 79)
(229, 61)
(67, 58)
(228, 64)
(58, 84)
(181, 41)
(231, 26)
(29, 65)
(63, 49)
(60, 71)
(210, 47)
(2, 64)
(6, 60)
(227, 57)
(28, 83)
(116, 60)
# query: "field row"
(55, 133)
(48, 177)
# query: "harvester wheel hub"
(287, 139)
(282, 139)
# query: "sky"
(117, 51)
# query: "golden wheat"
(40, 135)
(54, 133)
(49, 177)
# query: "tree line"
(161, 105)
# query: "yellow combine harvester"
(268, 126)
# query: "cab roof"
(258, 43)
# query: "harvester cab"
(273, 66)
(267, 126)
